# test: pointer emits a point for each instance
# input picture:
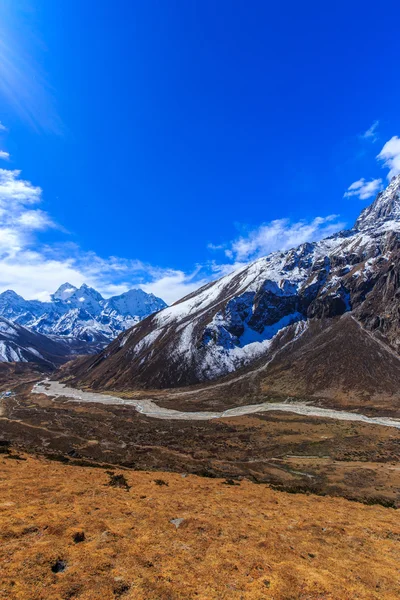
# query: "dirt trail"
(149, 408)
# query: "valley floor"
(147, 406)
(241, 541)
(298, 453)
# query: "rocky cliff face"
(246, 316)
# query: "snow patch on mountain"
(9, 354)
(19, 344)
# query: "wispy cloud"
(371, 133)
(171, 285)
(35, 220)
(390, 155)
(4, 155)
(3, 127)
(280, 234)
(211, 246)
(364, 189)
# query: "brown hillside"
(235, 541)
(337, 359)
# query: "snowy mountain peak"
(10, 295)
(64, 292)
(86, 297)
(80, 313)
(385, 209)
(11, 301)
(134, 302)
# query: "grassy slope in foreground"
(245, 542)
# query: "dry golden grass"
(235, 542)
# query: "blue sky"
(162, 143)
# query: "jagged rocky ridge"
(252, 314)
(80, 314)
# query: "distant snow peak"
(64, 292)
(135, 302)
(80, 313)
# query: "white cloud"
(33, 276)
(371, 133)
(280, 234)
(17, 191)
(17, 217)
(10, 241)
(364, 189)
(222, 269)
(390, 155)
(36, 274)
(4, 155)
(172, 285)
(211, 246)
(3, 127)
(35, 220)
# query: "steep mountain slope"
(335, 359)
(18, 344)
(250, 314)
(80, 313)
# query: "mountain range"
(77, 320)
(323, 317)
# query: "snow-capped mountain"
(250, 315)
(83, 297)
(19, 344)
(64, 292)
(80, 313)
(134, 303)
